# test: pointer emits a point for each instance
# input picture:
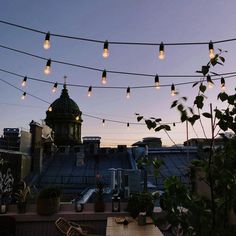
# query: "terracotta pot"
(48, 206)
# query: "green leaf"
(205, 70)
(202, 88)
(199, 101)
(158, 128)
(195, 84)
(207, 115)
(231, 99)
(222, 96)
(218, 114)
(158, 120)
(150, 124)
(222, 59)
(174, 103)
(184, 98)
(167, 127)
(180, 107)
(139, 118)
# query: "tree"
(205, 215)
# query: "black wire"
(109, 71)
(116, 42)
(84, 114)
(226, 75)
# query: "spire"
(64, 92)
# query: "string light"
(23, 84)
(50, 109)
(128, 93)
(77, 118)
(90, 91)
(23, 96)
(161, 51)
(47, 69)
(157, 82)
(54, 89)
(103, 122)
(105, 53)
(222, 82)
(211, 50)
(209, 82)
(104, 77)
(46, 44)
(173, 91)
(128, 125)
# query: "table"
(132, 229)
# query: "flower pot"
(48, 206)
(21, 207)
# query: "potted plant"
(22, 196)
(141, 202)
(48, 201)
(99, 205)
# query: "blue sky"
(131, 20)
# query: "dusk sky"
(126, 21)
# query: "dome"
(64, 104)
(64, 117)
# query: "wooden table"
(132, 229)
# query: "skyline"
(112, 21)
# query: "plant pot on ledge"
(48, 201)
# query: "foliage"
(50, 192)
(205, 215)
(141, 202)
(23, 192)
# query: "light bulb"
(105, 53)
(161, 51)
(128, 93)
(222, 82)
(157, 82)
(211, 50)
(47, 69)
(77, 118)
(173, 91)
(127, 125)
(54, 89)
(50, 109)
(23, 96)
(90, 91)
(23, 84)
(209, 82)
(103, 122)
(46, 44)
(104, 77)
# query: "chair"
(70, 228)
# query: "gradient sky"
(130, 20)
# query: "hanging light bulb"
(105, 53)
(173, 91)
(128, 93)
(54, 89)
(128, 125)
(50, 109)
(104, 77)
(77, 118)
(222, 82)
(46, 44)
(211, 50)
(174, 124)
(161, 51)
(47, 69)
(209, 82)
(90, 91)
(103, 122)
(23, 96)
(23, 84)
(157, 82)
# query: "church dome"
(64, 118)
(64, 106)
